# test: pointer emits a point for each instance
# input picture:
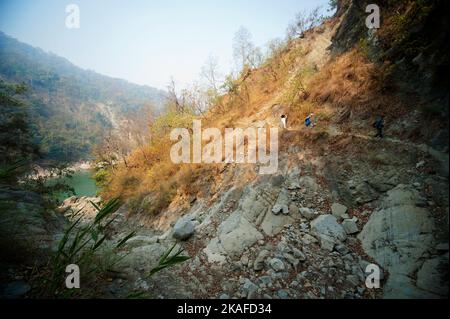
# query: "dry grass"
(346, 86)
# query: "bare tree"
(210, 72)
(244, 51)
(174, 99)
(303, 22)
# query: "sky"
(148, 42)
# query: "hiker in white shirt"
(284, 121)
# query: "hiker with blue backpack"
(379, 125)
(309, 121)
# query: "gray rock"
(299, 254)
(350, 226)
(307, 213)
(259, 262)
(291, 259)
(236, 233)
(342, 249)
(277, 264)
(249, 289)
(309, 183)
(442, 247)
(398, 237)
(388, 235)
(327, 242)
(433, 275)
(404, 195)
(141, 240)
(277, 180)
(352, 280)
(244, 260)
(328, 225)
(280, 209)
(183, 229)
(307, 239)
(339, 211)
(400, 286)
(282, 294)
(224, 296)
(420, 164)
(215, 252)
(274, 224)
(144, 257)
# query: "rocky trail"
(293, 235)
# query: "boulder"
(404, 195)
(215, 252)
(327, 242)
(236, 233)
(350, 226)
(183, 229)
(273, 224)
(141, 240)
(339, 211)
(144, 257)
(433, 275)
(328, 225)
(397, 237)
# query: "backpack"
(308, 121)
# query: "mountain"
(71, 108)
(346, 214)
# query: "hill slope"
(341, 199)
(71, 108)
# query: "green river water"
(82, 183)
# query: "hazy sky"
(147, 42)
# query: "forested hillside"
(70, 108)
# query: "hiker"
(284, 120)
(309, 120)
(379, 125)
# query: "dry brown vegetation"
(346, 86)
(354, 86)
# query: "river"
(82, 182)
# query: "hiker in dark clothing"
(379, 125)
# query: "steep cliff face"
(413, 37)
